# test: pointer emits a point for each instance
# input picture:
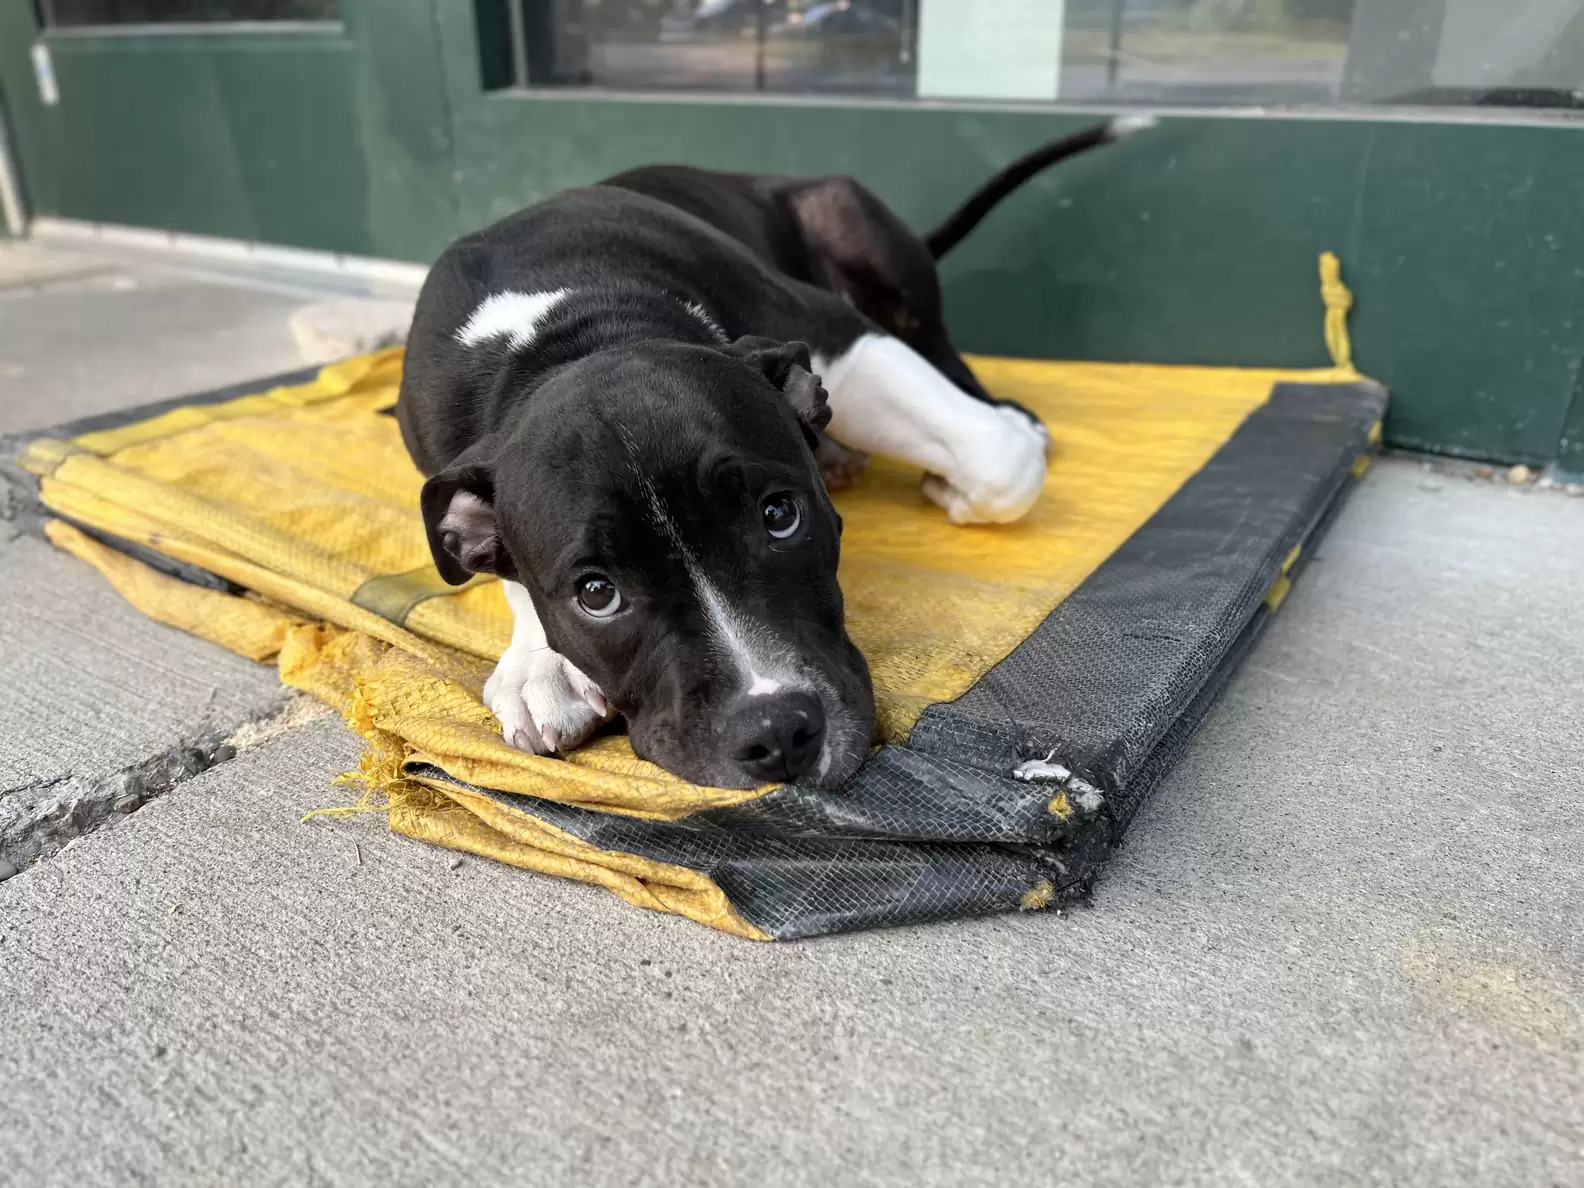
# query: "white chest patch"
(511, 313)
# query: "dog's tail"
(985, 199)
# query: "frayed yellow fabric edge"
(460, 819)
(445, 816)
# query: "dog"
(630, 402)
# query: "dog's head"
(662, 505)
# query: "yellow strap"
(1338, 300)
(1278, 593)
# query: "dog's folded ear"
(459, 516)
(787, 366)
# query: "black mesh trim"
(1102, 680)
(798, 885)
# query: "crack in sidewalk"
(42, 818)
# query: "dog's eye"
(598, 596)
(781, 516)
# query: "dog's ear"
(459, 516)
(787, 366)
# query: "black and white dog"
(630, 400)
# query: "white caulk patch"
(1041, 769)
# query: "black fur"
(626, 397)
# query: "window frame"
(44, 14)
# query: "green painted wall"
(1196, 243)
(331, 138)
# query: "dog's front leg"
(983, 463)
(543, 701)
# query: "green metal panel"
(1143, 252)
(403, 128)
(1469, 262)
(208, 133)
(315, 137)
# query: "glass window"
(61, 14)
(1153, 52)
(853, 47)
(1232, 52)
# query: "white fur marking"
(762, 686)
(510, 312)
(710, 324)
(748, 644)
(744, 640)
(985, 463)
(753, 648)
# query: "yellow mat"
(305, 497)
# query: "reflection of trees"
(1328, 17)
(1262, 16)
(626, 16)
(1265, 16)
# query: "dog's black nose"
(778, 737)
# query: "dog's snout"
(778, 738)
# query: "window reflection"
(1155, 52)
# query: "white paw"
(543, 701)
(1000, 469)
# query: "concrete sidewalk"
(1343, 944)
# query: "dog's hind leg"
(866, 255)
(840, 466)
(543, 701)
(983, 462)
